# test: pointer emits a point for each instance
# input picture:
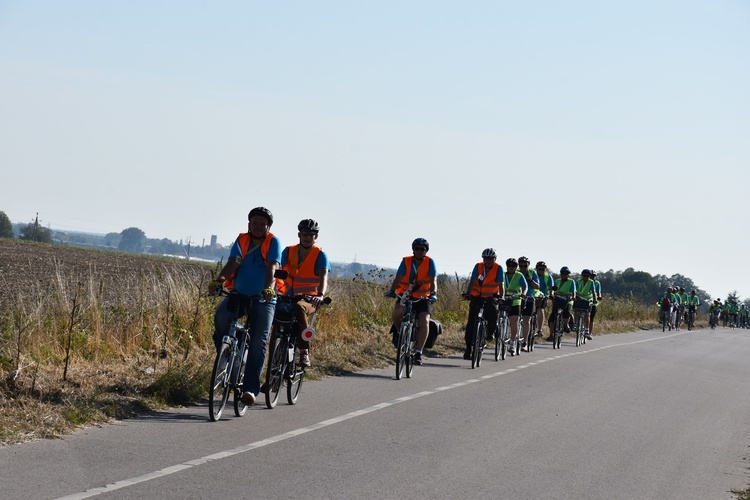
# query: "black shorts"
(527, 306)
(592, 313)
(514, 310)
(421, 306)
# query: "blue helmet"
(564, 269)
(420, 242)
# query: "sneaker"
(418, 358)
(304, 357)
(512, 348)
(538, 334)
(587, 335)
(467, 354)
(248, 398)
(525, 349)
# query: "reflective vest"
(585, 290)
(513, 286)
(244, 240)
(302, 279)
(564, 288)
(419, 283)
(490, 285)
(536, 292)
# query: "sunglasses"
(419, 249)
(307, 233)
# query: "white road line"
(325, 423)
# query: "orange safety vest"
(244, 240)
(490, 286)
(421, 282)
(302, 279)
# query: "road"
(642, 415)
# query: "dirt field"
(25, 266)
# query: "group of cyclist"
(676, 306)
(729, 314)
(249, 281)
(521, 290)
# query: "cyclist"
(743, 316)
(714, 312)
(564, 286)
(693, 302)
(666, 303)
(546, 282)
(515, 284)
(248, 273)
(416, 273)
(532, 279)
(725, 312)
(684, 298)
(586, 291)
(307, 281)
(487, 280)
(597, 299)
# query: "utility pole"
(36, 226)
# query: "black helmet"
(593, 273)
(263, 211)
(421, 242)
(308, 225)
(564, 270)
(511, 261)
(585, 272)
(523, 260)
(541, 263)
(489, 253)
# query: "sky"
(589, 134)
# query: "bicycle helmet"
(585, 272)
(541, 263)
(523, 260)
(593, 273)
(262, 211)
(420, 241)
(564, 270)
(682, 289)
(489, 253)
(511, 262)
(308, 225)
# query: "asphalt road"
(643, 415)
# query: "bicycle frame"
(406, 337)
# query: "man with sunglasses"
(564, 287)
(307, 280)
(418, 275)
(487, 281)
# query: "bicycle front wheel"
(401, 350)
(239, 407)
(409, 358)
(218, 393)
(275, 372)
(476, 355)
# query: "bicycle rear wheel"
(401, 349)
(275, 372)
(532, 333)
(294, 383)
(502, 338)
(476, 355)
(579, 330)
(559, 322)
(239, 407)
(218, 392)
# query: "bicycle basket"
(283, 312)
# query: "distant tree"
(6, 228)
(131, 240)
(112, 239)
(33, 231)
(734, 297)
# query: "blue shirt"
(250, 278)
(546, 284)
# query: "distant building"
(213, 241)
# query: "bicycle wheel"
(559, 322)
(500, 340)
(239, 407)
(532, 333)
(476, 355)
(664, 322)
(409, 356)
(401, 348)
(294, 382)
(275, 372)
(579, 330)
(218, 393)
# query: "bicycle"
(507, 303)
(229, 365)
(713, 320)
(283, 352)
(479, 335)
(530, 337)
(407, 337)
(581, 308)
(679, 310)
(502, 333)
(666, 316)
(690, 317)
(559, 305)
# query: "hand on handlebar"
(390, 294)
(215, 287)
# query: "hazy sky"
(603, 134)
